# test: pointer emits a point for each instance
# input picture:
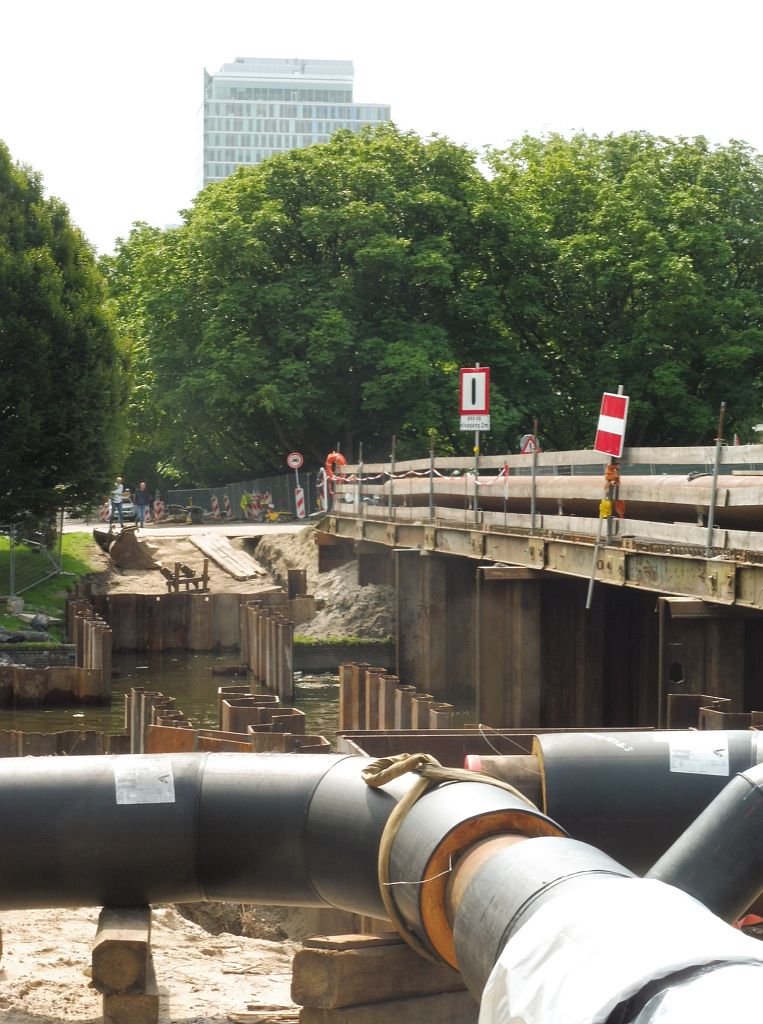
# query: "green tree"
(60, 384)
(327, 295)
(651, 256)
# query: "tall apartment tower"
(256, 107)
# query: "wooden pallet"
(237, 564)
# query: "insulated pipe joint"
(441, 826)
(499, 887)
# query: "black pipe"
(632, 794)
(297, 829)
(718, 858)
(511, 885)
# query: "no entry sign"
(610, 433)
(294, 460)
(474, 398)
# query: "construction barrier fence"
(249, 500)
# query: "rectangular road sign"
(610, 432)
(475, 423)
(475, 391)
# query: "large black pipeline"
(478, 874)
(631, 794)
(718, 858)
(286, 829)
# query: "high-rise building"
(256, 107)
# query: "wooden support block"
(120, 949)
(134, 1007)
(445, 1008)
(352, 941)
(328, 979)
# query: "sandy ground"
(202, 978)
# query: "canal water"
(188, 678)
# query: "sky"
(101, 97)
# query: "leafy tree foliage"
(330, 295)
(318, 298)
(59, 387)
(651, 257)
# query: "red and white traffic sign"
(474, 398)
(475, 391)
(299, 495)
(610, 433)
(294, 460)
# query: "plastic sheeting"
(730, 994)
(597, 945)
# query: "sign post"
(474, 407)
(294, 461)
(610, 439)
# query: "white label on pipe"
(700, 753)
(144, 780)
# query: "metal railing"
(27, 556)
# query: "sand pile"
(345, 608)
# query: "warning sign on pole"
(474, 392)
(299, 496)
(610, 433)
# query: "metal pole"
(476, 474)
(714, 491)
(505, 493)
(476, 468)
(61, 541)
(390, 506)
(431, 476)
(534, 467)
(360, 479)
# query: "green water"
(188, 678)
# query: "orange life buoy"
(334, 459)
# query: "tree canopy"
(60, 380)
(651, 252)
(331, 294)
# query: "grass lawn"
(49, 596)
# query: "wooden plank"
(120, 949)
(701, 455)
(446, 1008)
(340, 943)
(329, 979)
(236, 563)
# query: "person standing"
(142, 501)
(117, 492)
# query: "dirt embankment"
(344, 607)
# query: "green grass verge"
(49, 597)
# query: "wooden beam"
(120, 950)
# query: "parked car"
(129, 515)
